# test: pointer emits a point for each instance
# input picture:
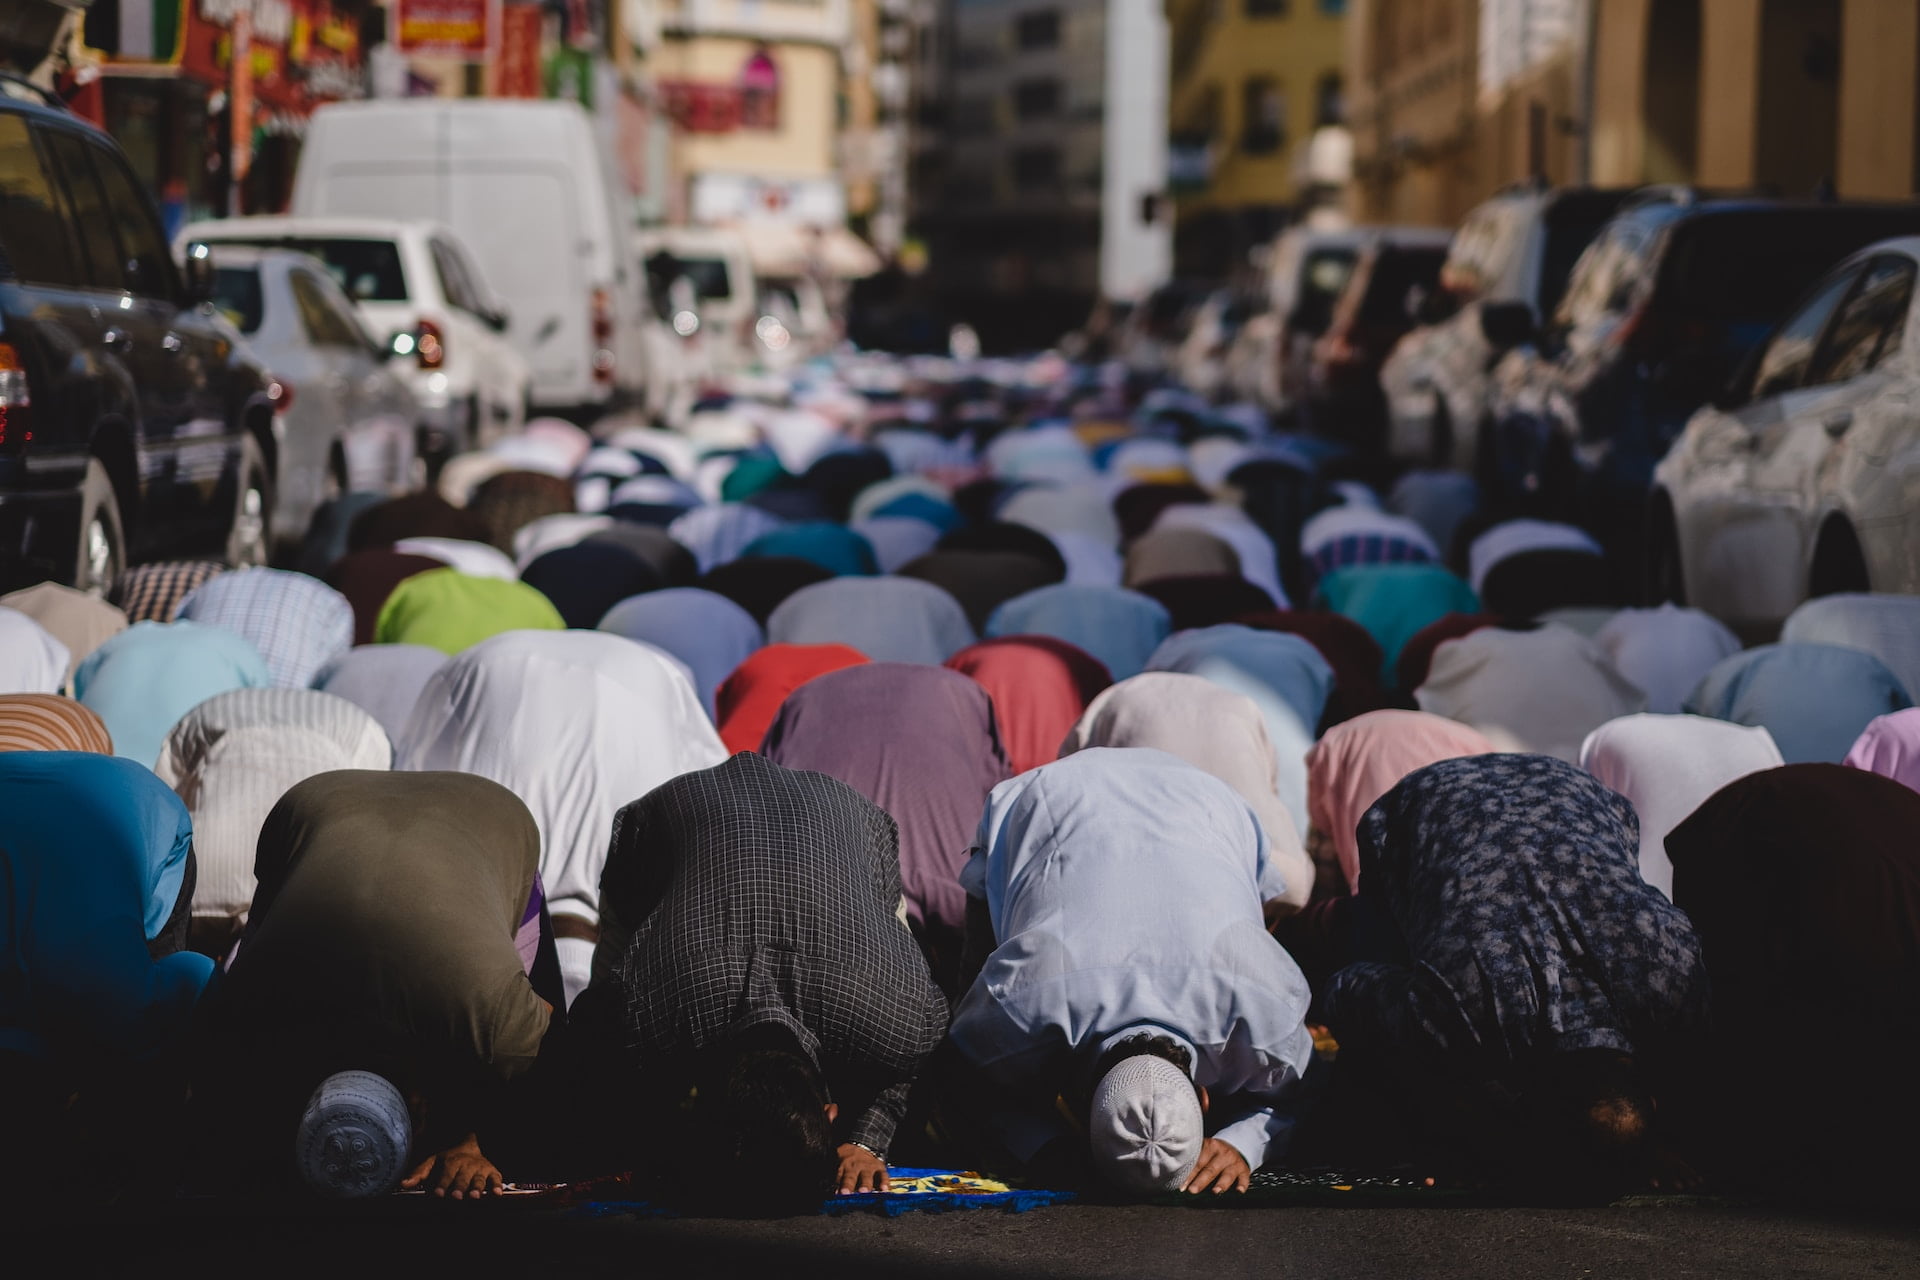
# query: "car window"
(35, 245)
(1784, 363)
(236, 292)
(143, 248)
(454, 285)
(326, 325)
(1869, 326)
(1569, 225)
(102, 267)
(1607, 277)
(1323, 278)
(1396, 274)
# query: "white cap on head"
(1146, 1125)
(354, 1136)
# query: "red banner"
(447, 28)
(520, 77)
(298, 52)
(700, 106)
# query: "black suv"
(133, 422)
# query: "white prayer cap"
(1146, 1125)
(354, 1137)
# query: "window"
(1870, 326)
(1334, 8)
(101, 254)
(143, 248)
(973, 117)
(1263, 116)
(326, 324)
(1036, 167)
(1329, 101)
(1036, 99)
(455, 287)
(760, 91)
(34, 243)
(1783, 366)
(1039, 30)
(1266, 8)
(365, 270)
(236, 293)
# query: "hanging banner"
(521, 72)
(443, 28)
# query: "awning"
(784, 249)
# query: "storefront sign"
(520, 69)
(445, 28)
(295, 53)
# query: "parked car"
(1504, 274)
(1205, 363)
(347, 422)
(528, 187)
(1307, 270)
(413, 281)
(715, 263)
(134, 422)
(1800, 480)
(1661, 310)
(1395, 273)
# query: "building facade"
(1784, 95)
(1252, 81)
(1039, 159)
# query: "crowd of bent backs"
(994, 765)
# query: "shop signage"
(444, 28)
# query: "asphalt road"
(1645, 1238)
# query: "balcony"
(826, 22)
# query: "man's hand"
(861, 1170)
(1220, 1168)
(460, 1171)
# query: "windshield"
(1572, 223)
(1323, 278)
(236, 293)
(365, 270)
(1745, 270)
(708, 276)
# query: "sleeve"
(883, 849)
(874, 1127)
(1391, 1007)
(1258, 1128)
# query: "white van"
(527, 187)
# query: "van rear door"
(520, 221)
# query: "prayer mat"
(1273, 1188)
(914, 1191)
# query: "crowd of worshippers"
(1013, 774)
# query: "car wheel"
(247, 537)
(102, 553)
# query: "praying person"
(1542, 994)
(750, 949)
(1123, 967)
(385, 936)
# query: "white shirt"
(1124, 886)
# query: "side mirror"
(497, 319)
(1506, 325)
(197, 273)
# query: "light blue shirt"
(1124, 887)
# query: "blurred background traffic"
(1642, 265)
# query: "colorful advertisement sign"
(444, 28)
(521, 75)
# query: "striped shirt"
(47, 722)
(151, 592)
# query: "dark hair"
(1144, 1044)
(766, 1146)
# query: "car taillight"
(431, 345)
(16, 401)
(602, 336)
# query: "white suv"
(416, 287)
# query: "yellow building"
(1250, 82)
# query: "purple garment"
(526, 939)
(918, 741)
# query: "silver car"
(1505, 272)
(346, 422)
(1804, 479)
